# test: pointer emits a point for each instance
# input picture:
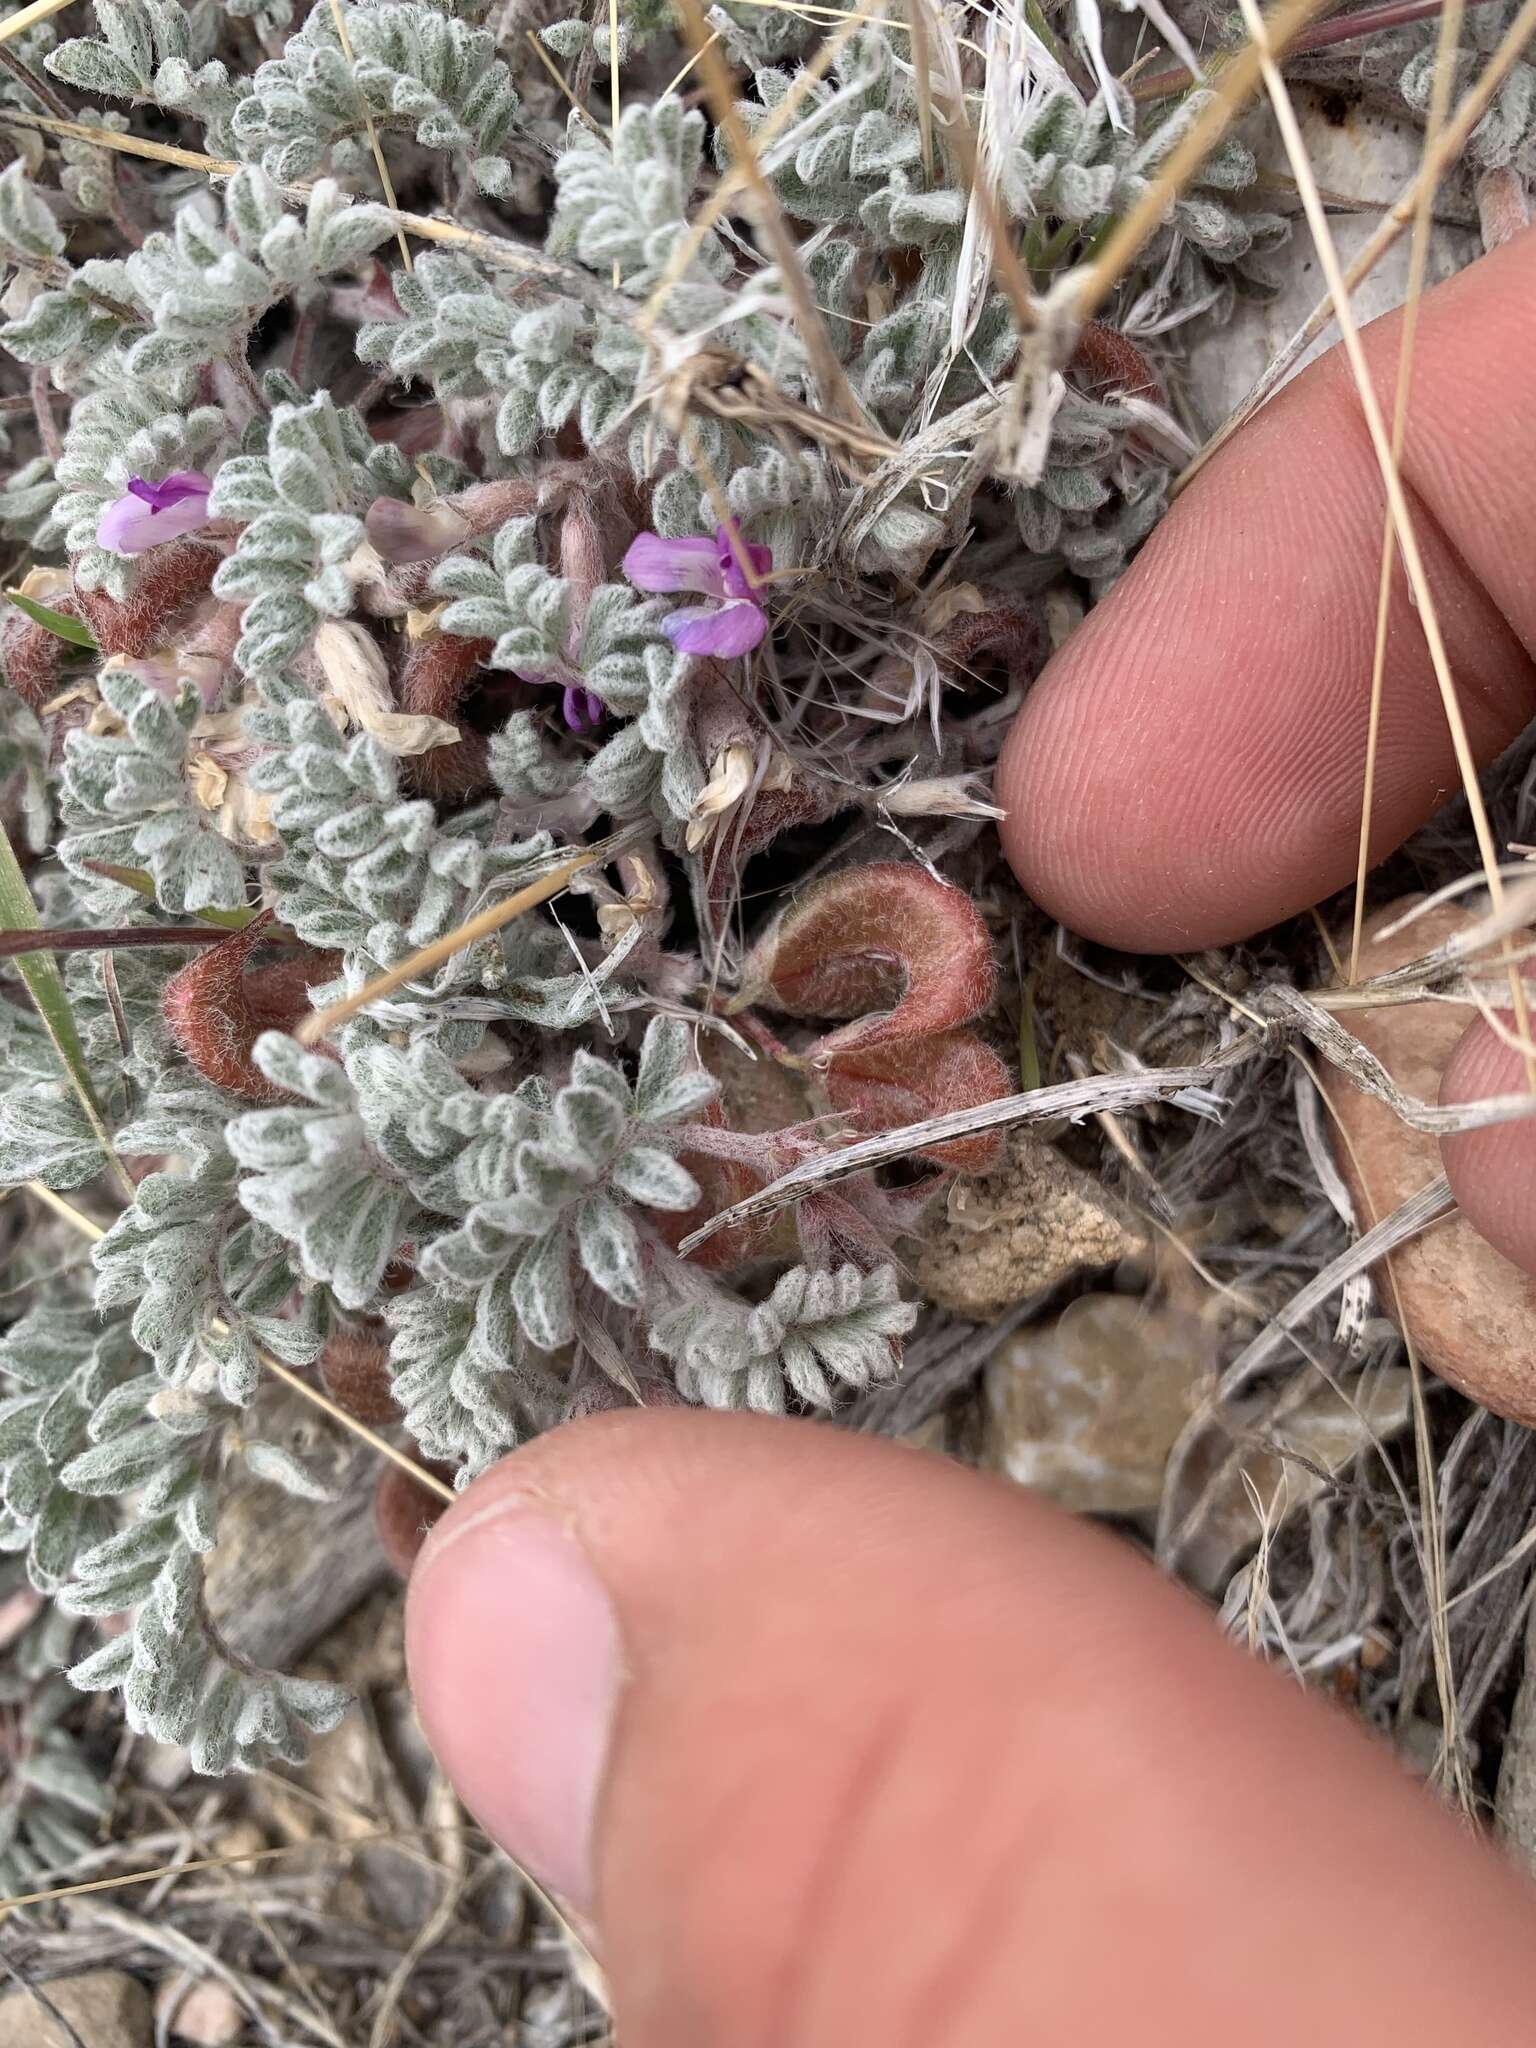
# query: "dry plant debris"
(514, 589)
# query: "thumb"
(1492, 1171)
(836, 1742)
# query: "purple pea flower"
(728, 628)
(149, 513)
(583, 709)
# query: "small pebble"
(1287, 1463)
(1472, 1314)
(105, 2009)
(207, 2013)
(1020, 1231)
(1087, 1407)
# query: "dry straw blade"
(45, 985)
(323, 1022)
(962, 142)
(27, 17)
(1098, 1093)
(1452, 140)
(1279, 1013)
(560, 79)
(374, 144)
(1084, 289)
(1055, 321)
(236, 1860)
(1450, 30)
(734, 178)
(836, 392)
(1397, 501)
(1452, 1764)
(497, 250)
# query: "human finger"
(834, 1742)
(1190, 767)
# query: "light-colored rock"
(242, 1840)
(1471, 1312)
(1017, 1232)
(106, 2009)
(1284, 1465)
(1087, 1407)
(206, 2013)
(286, 1571)
(161, 1766)
(1358, 153)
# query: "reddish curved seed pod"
(888, 945)
(354, 1370)
(1104, 360)
(902, 1084)
(438, 673)
(170, 578)
(403, 1513)
(32, 657)
(910, 960)
(216, 1010)
(1006, 634)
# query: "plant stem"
(45, 985)
(42, 408)
(240, 369)
(15, 943)
(1342, 28)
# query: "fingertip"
(513, 1649)
(1183, 771)
(1492, 1171)
(740, 1687)
(1093, 826)
(1189, 768)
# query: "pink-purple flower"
(583, 709)
(149, 513)
(727, 568)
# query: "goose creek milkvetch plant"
(359, 584)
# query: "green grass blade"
(73, 630)
(138, 880)
(1029, 1050)
(50, 998)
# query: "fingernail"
(514, 1659)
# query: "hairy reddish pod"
(910, 961)
(354, 1370)
(887, 945)
(901, 1084)
(403, 1513)
(583, 556)
(1005, 634)
(1106, 360)
(170, 578)
(216, 1010)
(33, 657)
(439, 671)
